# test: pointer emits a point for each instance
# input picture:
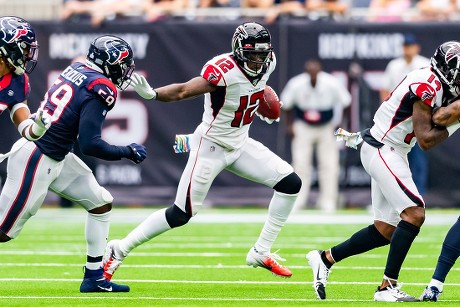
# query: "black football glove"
(139, 153)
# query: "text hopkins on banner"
(360, 46)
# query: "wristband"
(155, 94)
(453, 127)
(24, 129)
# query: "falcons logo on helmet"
(240, 33)
(452, 52)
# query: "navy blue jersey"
(13, 90)
(77, 103)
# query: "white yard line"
(200, 267)
(136, 215)
(221, 282)
(209, 299)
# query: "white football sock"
(151, 227)
(96, 233)
(278, 212)
(437, 284)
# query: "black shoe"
(94, 281)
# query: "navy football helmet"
(18, 44)
(114, 57)
(252, 48)
(446, 63)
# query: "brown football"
(270, 106)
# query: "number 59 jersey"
(77, 93)
(230, 109)
(393, 120)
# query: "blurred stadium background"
(174, 49)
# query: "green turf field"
(203, 263)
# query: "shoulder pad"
(104, 90)
(424, 92)
(17, 87)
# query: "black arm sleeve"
(92, 117)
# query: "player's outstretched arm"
(180, 91)
(445, 116)
(172, 92)
(92, 117)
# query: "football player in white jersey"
(446, 116)
(403, 119)
(233, 85)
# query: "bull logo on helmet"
(13, 29)
(22, 31)
(116, 54)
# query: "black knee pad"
(176, 217)
(290, 184)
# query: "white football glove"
(142, 87)
(267, 120)
(42, 122)
(37, 123)
(352, 140)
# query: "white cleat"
(267, 261)
(393, 294)
(320, 273)
(113, 258)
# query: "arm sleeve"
(92, 117)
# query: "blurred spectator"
(436, 10)
(399, 67)
(102, 10)
(388, 10)
(155, 10)
(218, 3)
(360, 3)
(257, 4)
(315, 8)
(99, 10)
(314, 101)
(332, 8)
(395, 71)
(284, 7)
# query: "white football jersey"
(393, 120)
(230, 109)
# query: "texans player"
(233, 85)
(18, 57)
(403, 119)
(77, 104)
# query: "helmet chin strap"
(18, 70)
(251, 72)
(454, 90)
